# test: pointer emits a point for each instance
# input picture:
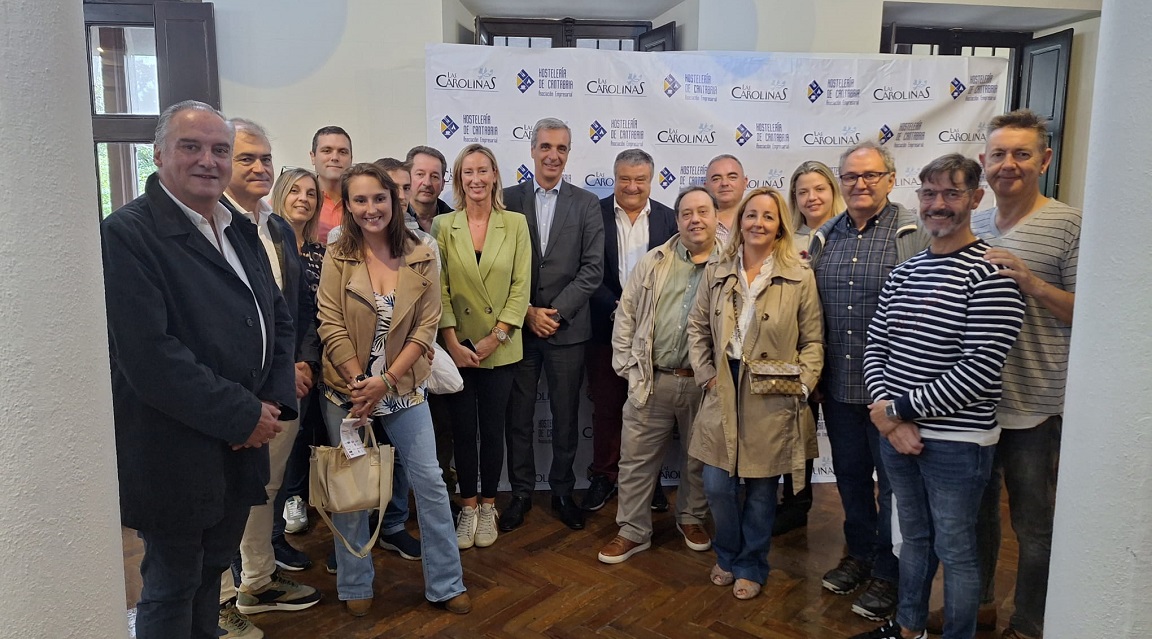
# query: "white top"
(260, 217)
(222, 218)
(631, 239)
(749, 292)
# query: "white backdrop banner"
(771, 110)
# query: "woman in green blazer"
(486, 255)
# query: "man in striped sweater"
(936, 347)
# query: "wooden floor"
(543, 580)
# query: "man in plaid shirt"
(852, 255)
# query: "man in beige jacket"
(650, 350)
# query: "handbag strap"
(380, 451)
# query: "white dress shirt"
(631, 238)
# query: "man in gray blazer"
(567, 267)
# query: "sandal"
(744, 589)
(719, 576)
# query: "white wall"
(61, 563)
(297, 65)
(459, 23)
(686, 15)
(1078, 112)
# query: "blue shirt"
(545, 211)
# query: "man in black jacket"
(202, 351)
(633, 225)
(567, 266)
(263, 587)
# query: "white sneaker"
(486, 528)
(466, 528)
(295, 515)
(236, 625)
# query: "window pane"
(519, 42)
(627, 45)
(922, 49)
(541, 43)
(123, 169)
(124, 70)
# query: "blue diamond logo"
(742, 135)
(814, 92)
(957, 88)
(666, 178)
(596, 132)
(885, 134)
(523, 174)
(671, 86)
(524, 81)
(448, 127)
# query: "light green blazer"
(477, 295)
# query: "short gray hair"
(550, 124)
(632, 157)
(250, 128)
(951, 164)
(725, 156)
(885, 154)
(165, 119)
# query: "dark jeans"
(608, 392)
(1027, 461)
(937, 497)
(181, 578)
(855, 454)
(483, 406)
(564, 368)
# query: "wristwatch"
(501, 335)
(890, 411)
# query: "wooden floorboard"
(544, 581)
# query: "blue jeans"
(181, 578)
(743, 531)
(410, 431)
(855, 454)
(937, 497)
(1027, 461)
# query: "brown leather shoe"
(1012, 633)
(695, 537)
(358, 607)
(461, 604)
(985, 619)
(620, 549)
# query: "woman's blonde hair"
(458, 178)
(283, 186)
(782, 249)
(813, 166)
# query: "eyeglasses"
(870, 178)
(951, 196)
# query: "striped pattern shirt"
(1048, 241)
(938, 341)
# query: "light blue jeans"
(410, 431)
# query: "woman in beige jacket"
(379, 304)
(758, 302)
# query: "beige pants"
(258, 560)
(643, 440)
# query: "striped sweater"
(938, 341)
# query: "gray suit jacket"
(567, 274)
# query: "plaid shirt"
(850, 272)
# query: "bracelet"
(388, 382)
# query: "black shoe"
(403, 543)
(890, 630)
(878, 601)
(600, 490)
(789, 517)
(569, 513)
(513, 515)
(659, 500)
(846, 576)
(330, 564)
(288, 557)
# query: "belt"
(678, 372)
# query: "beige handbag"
(341, 485)
(773, 377)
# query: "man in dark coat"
(633, 225)
(567, 266)
(202, 351)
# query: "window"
(143, 57)
(583, 34)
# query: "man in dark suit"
(202, 350)
(567, 266)
(633, 225)
(263, 587)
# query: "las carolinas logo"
(633, 86)
(777, 91)
(918, 92)
(848, 136)
(705, 135)
(483, 79)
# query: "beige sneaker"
(486, 528)
(236, 625)
(466, 527)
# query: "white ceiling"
(580, 9)
(967, 16)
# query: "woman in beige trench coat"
(758, 302)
